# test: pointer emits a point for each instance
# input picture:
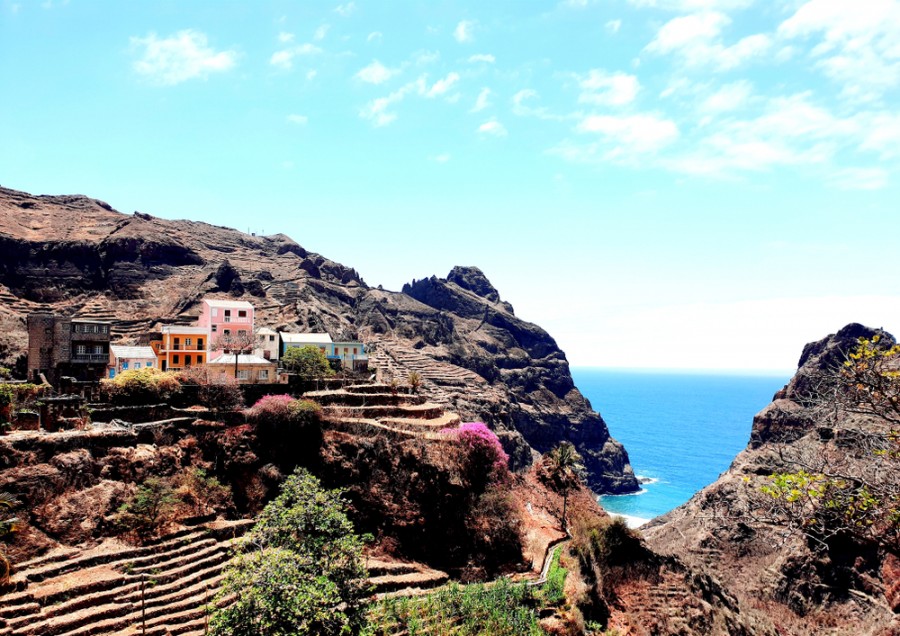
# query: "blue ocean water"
(681, 430)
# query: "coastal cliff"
(78, 256)
(794, 571)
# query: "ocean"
(681, 430)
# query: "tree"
(8, 525)
(301, 569)
(309, 362)
(203, 492)
(852, 492)
(235, 343)
(566, 468)
(149, 508)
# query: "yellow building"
(181, 347)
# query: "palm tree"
(565, 469)
(8, 524)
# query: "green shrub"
(501, 609)
(302, 573)
(203, 493)
(149, 509)
(141, 386)
(309, 363)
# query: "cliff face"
(78, 256)
(799, 578)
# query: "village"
(224, 340)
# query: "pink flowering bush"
(271, 407)
(484, 459)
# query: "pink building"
(224, 317)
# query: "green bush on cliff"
(301, 572)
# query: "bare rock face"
(802, 586)
(78, 256)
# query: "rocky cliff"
(77, 255)
(801, 573)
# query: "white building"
(268, 344)
(123, 358)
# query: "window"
(263, 374)
(80, 350)
(215, 328)
(271, 338)
(187, 343)
(227, 315)
(242, 313)
(354, 350)
(175, 359)
(227, 332)
(137, 365)
(243, 374)
(200, 343)
(346, 350)
(125, 365)
(98, 349)
(187, 360)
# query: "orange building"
(181, 347)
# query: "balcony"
(90, 358)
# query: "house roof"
(182, 329)
(306, 338)
(266, 331)
(228, 358)
(134, 353)
(228, 304)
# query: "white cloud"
(632, 133)
(492, 127)
(697, 40)
(285, 58)
(483, 57)
(858, 44)
(883, 135)
(300, 120)
(791, 131)
(424, 58)
(444, 157)
(463, 31)
(374, 36)
(321, 32)
(860, 178)
(441, 86)
(345, 9)
(728, 97)
(180, 57)
(608, 89)
(684, 6)
(377, 111)
(376, 73)
(311, 74)
(613, 26)
(285, 37)
(483, 100)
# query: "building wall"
(215, 320)
(168, 357)
(40, 343)
(253, 369)
(53, 341)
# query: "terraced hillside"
(116, 588)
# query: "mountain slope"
(802, 576)
(77, 255)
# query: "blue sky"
(659, 183)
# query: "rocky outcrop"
(800, 582)
(76, 255)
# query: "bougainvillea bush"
(484, 459)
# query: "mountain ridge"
(77, 255)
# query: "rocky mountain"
(801, 574)
(78, 256)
